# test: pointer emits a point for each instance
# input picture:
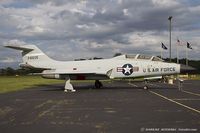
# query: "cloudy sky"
(70, 29)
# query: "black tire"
(98, 84)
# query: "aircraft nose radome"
(186, 69)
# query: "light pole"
(170, 34)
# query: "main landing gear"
(98, 84)
(68, 86)
(145, 86)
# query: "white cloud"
(165, 3)
(125, 11)
(7, 60)
(120, 1)
(15, 42)
(83, 26)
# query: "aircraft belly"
(88, 77)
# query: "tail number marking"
(32, 57)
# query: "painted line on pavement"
(185, 106)
(132, 84)
(185, 99)
(196, 94)
(155, 85)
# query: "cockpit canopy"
(156, 59)
(139, 57)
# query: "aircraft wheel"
(146, 88)
(98, 84)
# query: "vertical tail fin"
(32, 56)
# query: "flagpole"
(177, 53)
(170, 34)
(177, 58)
(161, 54)
(186, 56)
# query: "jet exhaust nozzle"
(186, 69)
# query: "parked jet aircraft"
(124, 66)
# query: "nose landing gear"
(98, 84)
(145, 86)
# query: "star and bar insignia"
(127, 69)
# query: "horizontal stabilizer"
(20, 47)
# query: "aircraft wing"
(75, 74)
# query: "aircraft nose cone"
(186, 69)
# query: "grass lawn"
(195, 77)
(12, 83)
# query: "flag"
(188, 45)
(170, 17)
(178, 41)
(164, 47)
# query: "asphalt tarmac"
(119, 107)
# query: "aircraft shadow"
(60, 87)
